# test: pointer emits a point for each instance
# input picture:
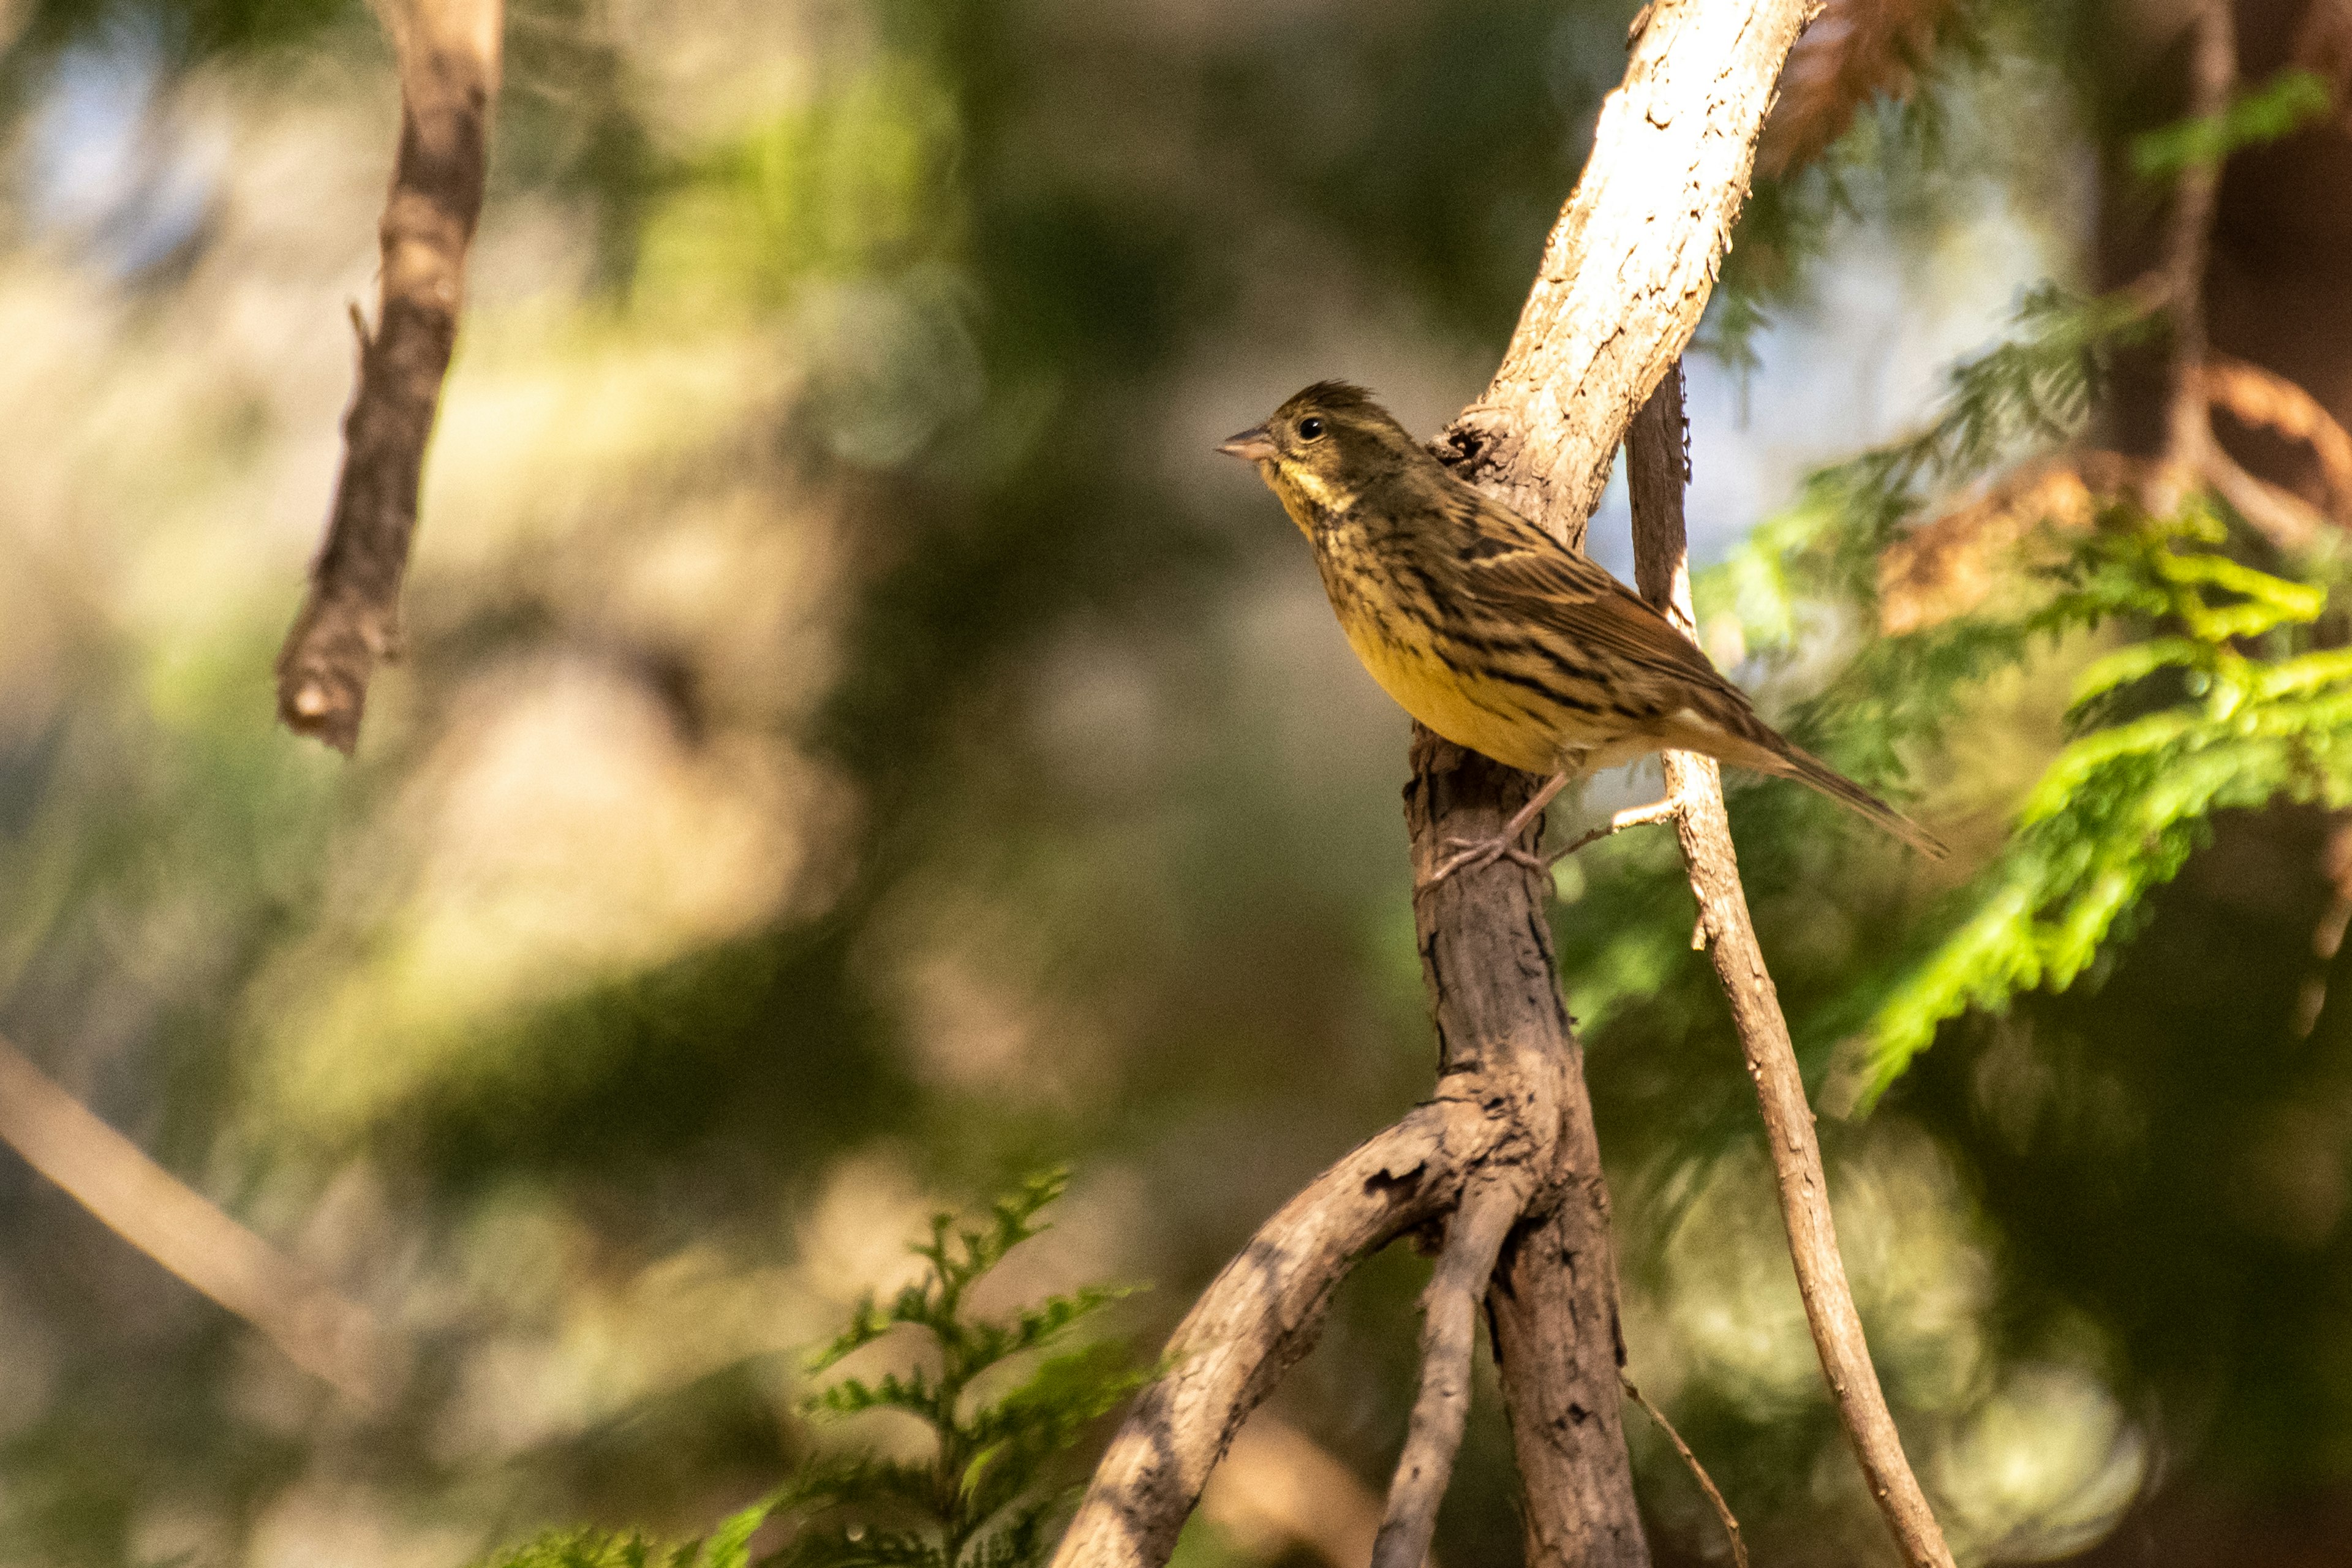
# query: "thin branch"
(315, 1328)
(2189, 243)
(1262, 1313)
(1656, 470)
(1650, 815)
(1697, 1470)
(1449, 1333)
(2286, 518)
(448, 53)
(2253, 395)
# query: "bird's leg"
(1504, 846)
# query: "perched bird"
(1494, 634)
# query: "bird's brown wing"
(1525, 575)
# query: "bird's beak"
(1252, 444)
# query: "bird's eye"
(1310, 428)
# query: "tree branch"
(310, 1324)
(1449, 1333)
(1656, 470)
(2256, 396)
(1698, 1472)
(1629, 266)
(2189, 241)
(1262, 1312)
(1625, 275)
(1551, 1310)
(350, 618)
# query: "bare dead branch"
(1650, 815)
(2188, 244)
(2279, 515)
(1697, 1470)
(1625, 275)
(1449, 1333)
(315, 1327)
(350, 619)
(1256, 1320)
(2256, 396)
(1654, 468)
(1854, 51)
(1629, 266)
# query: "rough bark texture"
(1485, 951)
(1449, 1340)
(1656, 469)
(1260, 1315)
(1625, 275)
(1630, 265)
(351, 618)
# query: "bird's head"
(1324, 448)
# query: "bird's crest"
(1333, 396)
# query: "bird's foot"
(1476, 852)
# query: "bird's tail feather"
(1793, 761)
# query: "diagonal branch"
(2256, 396)
(1657, 472)
(1449, 1333)
(315, 1328)
(1259, 1316)
(350, 618)
(1625, 277)
(1698, 1473)
(1629, 266)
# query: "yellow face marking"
(1311, 485)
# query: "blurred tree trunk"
(2277, 291)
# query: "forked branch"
(1624, 278)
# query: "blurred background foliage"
(858, 746)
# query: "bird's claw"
(1476, 852)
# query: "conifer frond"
(2280, 107)
(984, 1495)
(2202, 725)
(729, 1546)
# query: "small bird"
(1495, 635)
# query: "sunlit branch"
(310, 1324)
(350, 618)
(1657, 472)
(1449, 1333)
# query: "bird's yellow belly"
(1487, 715)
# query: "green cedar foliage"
(987, 1491)
(2214, 697)
(2284, 104)
(2216, 703)
(2214, 688)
